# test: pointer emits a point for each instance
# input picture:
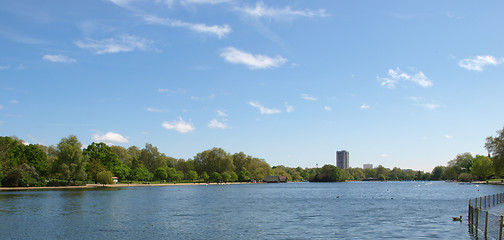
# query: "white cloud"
(264, 110)
(14, 101)
(59, 58)
(212, 96)
(214, 123)
(286, 13)
(1, 107)
(257, 61)
(364, 106)
(124, 43)
(430, 106)
(289, 108)
(416, 99)
(477, 63)
(308, 97)
(219, 31)
(448, 136)
(3, 67)
(221, 113)
(394, 76)
(110, 137)
(122, 3)
(206, 1)
(151, 109)
(384, 155)
(180, 126)
(327, 108)
(421, 80)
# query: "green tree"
(438, 173)
(380, 170)
(482, 167)
(213, 160)
(465, 177)
(142, 174)
(495, 148)
(101, 156)
(258, 168)
(105, 177)
(151, 158)
(205, 176)
(192, 175)
(462, 162)
(71, 163)
(328, 173)
(215, 177)
(244, 176)
(160, 174)
(123, 155)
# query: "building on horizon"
(367, 166)
(342, 159)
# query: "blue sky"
(397, 83)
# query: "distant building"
(275, 179)
(367, 166)
(342, 159)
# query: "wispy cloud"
(14, 101)
(364, 106)
(59, 58)
(328, 109)
(252, 61)
(210, 97)
(384, 155)
(219, 31)
(206, 1)
(448, 136)
(262, 11)
(477, 63)
(214, 123)
(264, 110)
(118, 44)
(429, 106)
(170, 92)
(180, 126)
(308, 97)
(422, 102)
(151, 109)
(289, 108)
(3, 67)
(1, 107)
(110, 137)
(221, 113)
(122, 3)
(395, 76)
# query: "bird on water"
(457, 218)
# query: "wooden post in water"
(477, 214)
(469, 213)
(500, 228)
(480, 202)
(486, 223)
(485, 201)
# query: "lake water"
(352, 210)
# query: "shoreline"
(120, 185)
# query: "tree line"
(465, 167)
(68, 163)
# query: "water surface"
(352, 210)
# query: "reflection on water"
(354, 210)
